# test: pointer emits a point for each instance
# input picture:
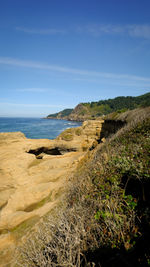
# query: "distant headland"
(93, 110)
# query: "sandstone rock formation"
(33, 175)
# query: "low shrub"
(103, 212)
(67, 135)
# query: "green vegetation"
(119, 104)
(67, 135)
(61, 114)
(78, 131)
(38, 204)
(105, 219)
(93, 110)
(23, 228)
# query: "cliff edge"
(33, 176)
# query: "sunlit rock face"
(33, 177)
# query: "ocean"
(36, 128)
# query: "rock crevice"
(38, 170)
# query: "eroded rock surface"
(33, 175)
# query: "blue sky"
(55, 54)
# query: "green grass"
(39, 204)
(24, 227)
(78, 131)
(67, 135)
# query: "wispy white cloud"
(55, 92)
(98, 30)
(30, 105)
(40, 31)
(119, 82)
(33, 90)
(132, 30)
(142, 31)
(81, 73)
(12, 109)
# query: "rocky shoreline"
(33, 176)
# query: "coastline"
(36, 128)
(66, 119)
(36, 173)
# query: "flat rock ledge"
(33, 176)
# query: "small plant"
(67, 135)
(78, 131)
(99, 213)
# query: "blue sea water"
(36, 128)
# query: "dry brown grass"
(132, 117)
(95, 213)
(57, 243)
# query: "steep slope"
(60, 115)
(105, 220)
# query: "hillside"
(60, 115)
(104, 220)
(93, 110)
